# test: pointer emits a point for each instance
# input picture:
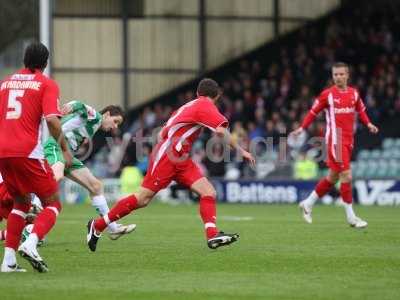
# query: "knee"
(143, 200)
(54, 205)
(209, 192)
(332, 178)
(346, 177)
(52, 201)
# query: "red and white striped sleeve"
(320, 103)
(361, 109)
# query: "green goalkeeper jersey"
(81, 123)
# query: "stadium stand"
(267, 91)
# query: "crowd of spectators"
(267, 98)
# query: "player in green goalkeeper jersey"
(80, 122)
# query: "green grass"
(277, 257)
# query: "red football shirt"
(185, 125)
(25, 98)
(340, 108)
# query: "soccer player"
(171, 160)
(25, 98)
(341, 103)
(79, 124)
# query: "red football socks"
(15, 224)
(208, 214)
(122, 208)
(46, 219)
(346, 192)
(323, 187)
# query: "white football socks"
(9, 257)
(349, 212)
(100, 203)
(311, 199)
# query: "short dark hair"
(208, 87)
(36, 56)
(114, 110)
(340, 64)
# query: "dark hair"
(340, 64)
(208, 87)
(114, 110)
(36, 56)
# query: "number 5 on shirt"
(14, 106)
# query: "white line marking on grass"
(236, 218)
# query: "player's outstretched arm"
(362, 113)
(223, 132)
(54, 125)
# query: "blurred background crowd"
(267, 96)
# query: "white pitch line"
(235, 218)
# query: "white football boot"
(121, 230)
(358, 223)
(32, 256)
(9, 269)
(306, 211)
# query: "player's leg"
(85, 178)
(120, 209)
(45, 186)
(321, 189)
(347, 197)
(55, 158)
(13, 188)
(208, 213)
(190, 175)
(15, 225)
(207, 205)
(6, 206)
(157, 178)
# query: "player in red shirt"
(340, 103)
(170, 160)
(27, 97)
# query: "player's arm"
(208, 115)
(319, 104)
(72, 107)
(54, 125)
(51, 114)
(362, 113)
(224, 132)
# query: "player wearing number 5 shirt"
(26, 98)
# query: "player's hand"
(66, 109)
(372, 128)
(68, 158)
(249, 157)
(297, 132)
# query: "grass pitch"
(277, 257)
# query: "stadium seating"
(269, 90)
